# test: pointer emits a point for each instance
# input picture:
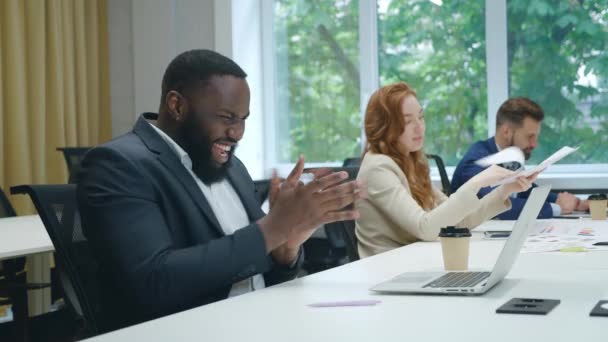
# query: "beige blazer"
(391, 218)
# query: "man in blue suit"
(171, 213)
(517, 124)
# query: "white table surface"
(26, 236)
(507, 225)
(281, 313)
(23, 235)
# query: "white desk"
(280, 313)
(26, 236)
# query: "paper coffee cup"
(455, 248)
(597, 206)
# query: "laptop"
(473, 283)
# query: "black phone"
(497, 234)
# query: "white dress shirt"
(226, 206)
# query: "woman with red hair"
(402, 206)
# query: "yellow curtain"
(54, 87)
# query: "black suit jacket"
(159, 245)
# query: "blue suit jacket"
(160, 247)
(467, 168)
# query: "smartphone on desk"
(496, 234)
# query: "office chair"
(73, 156)
(57, 207)
(321, 254)
(445, 181)
(13, 285)
(346, 232)
(350, 237)
(352, 162)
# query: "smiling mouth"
(221, 152)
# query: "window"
(440, 52)
(557, 56)
(462, 57)
(316, 77)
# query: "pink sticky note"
(368, 302)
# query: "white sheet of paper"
(539, 225)
(507, 155)
(552, 235)
(556, 242)
(554, 158)
(556, 234)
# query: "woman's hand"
(520, 185)
(488, 177)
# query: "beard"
(199, 148)
(527, 152)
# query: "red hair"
(384, 124)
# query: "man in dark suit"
(517, 124)
(171, 214)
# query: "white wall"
(161, 30)
(244, 31)
(145, 35)
(121, 65)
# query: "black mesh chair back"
(347, 229)
(342, 234)
(352, 162)
(334, 231)
(6, 209)
(352, 171)
(321, 254)
(445, 181)
(57, 207)
(73, 156)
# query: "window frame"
(562, 176)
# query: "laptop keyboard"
(458, 279)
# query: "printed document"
(514, 154)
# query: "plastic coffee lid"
(454, 232)
(597, 197)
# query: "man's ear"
(177, 106)
(506, 131)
